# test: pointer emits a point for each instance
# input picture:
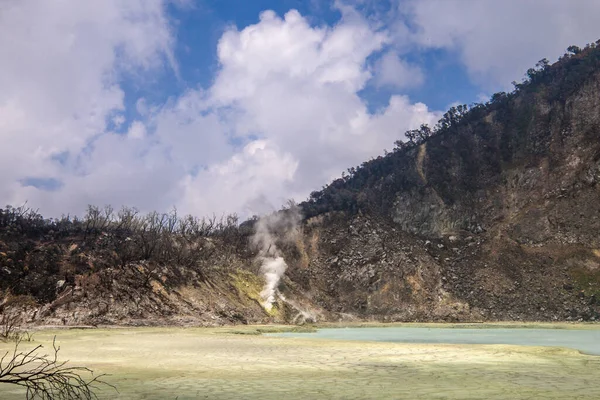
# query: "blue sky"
(200, 26)
(218, 106)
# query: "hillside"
(492, 215)
(496, 212)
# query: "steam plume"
(282, 227)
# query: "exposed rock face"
(499, 220)
(371, 270)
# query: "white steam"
(273, 269)
(282, 227)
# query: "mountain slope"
(498, 215)
(492, 215)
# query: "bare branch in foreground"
(46, 378)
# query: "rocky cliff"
(495, 217)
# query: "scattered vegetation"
(11, 317)
(588, 283)
(53, 262)
(34, 251)
(389, 173)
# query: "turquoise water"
(585, 340)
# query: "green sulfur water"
(585, 340)
(172, 363)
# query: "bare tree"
(45, 377)
(11, 318)
(9, 323)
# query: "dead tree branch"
(45, 377)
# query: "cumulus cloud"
(282, 117)
(295, 88)
(60, 64)
(391, 70)
(498, 40)
(253, 181)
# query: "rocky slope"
(495, 218)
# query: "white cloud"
(191, 132)
(282, 118)
(60, 63)
(290, 49)
(295, 87)
(391, 70)
(137, 130)
(499, 40)
(253, 181)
